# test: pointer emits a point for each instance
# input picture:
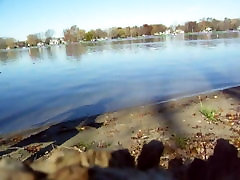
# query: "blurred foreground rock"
(71, 164)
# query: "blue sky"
(18, 18)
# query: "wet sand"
(179, 124)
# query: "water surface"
(61, 83)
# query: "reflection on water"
(60, 83)
(34, 53)
(75, 50)
(9, 55)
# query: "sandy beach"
(179, 124)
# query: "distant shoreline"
(131, 38)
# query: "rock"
(175, 163)
(150, 155)
(177, 168)
(121, 159)
(225, 150)
(70, 173)
(57, 160)
(197, 170)
(224, 162)
(15, 170)
(68, 157)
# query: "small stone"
(215, 97)
(145, 137)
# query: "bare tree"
(81, 34)
(49, 35)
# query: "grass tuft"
(210, 114)
(181, 142)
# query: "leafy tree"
(127, 31)
(74, 34)
(3, 44)
(191, 26)
(156, 28)
(121, 33)
(202, 25)
(135, 31)
(10, 42)
(146, 29)
(180, 27)
(90, 35)
(100, 33)
(32, 39)
(113, 33)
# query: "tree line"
(32, 40)
(214, 24)
(75, 34)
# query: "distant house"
(158, 33)
(61, 41)
(179, 31)
(40, 44)
(208, 29)
(54, 42)
(167, 31)
(238, 28)
(21, 44)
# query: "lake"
(61, 83)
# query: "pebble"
(145, 137)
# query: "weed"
(102, 144)
(84, 146)
(210, 114)
(181, 142)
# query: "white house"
(167, 31)
(53, 42)
(40, 44)
(179, 31)
(208, 29)
(158, 33)
(238, 28)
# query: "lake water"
(61, 83)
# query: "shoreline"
(175, 123)
(36, 128)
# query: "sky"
(18, 18)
